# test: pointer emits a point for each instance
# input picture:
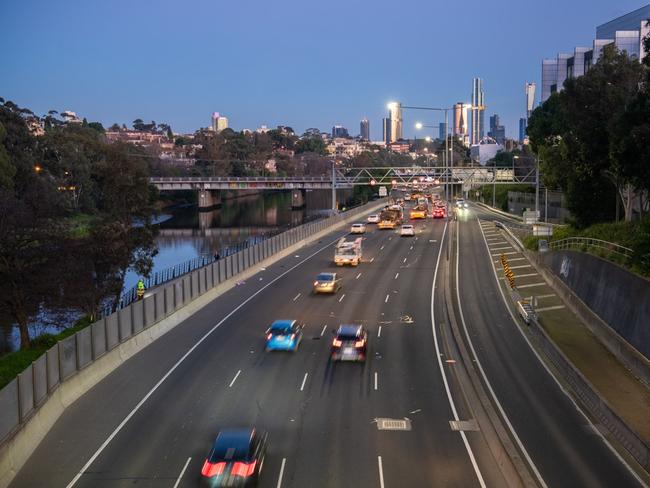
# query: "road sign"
(382, 191)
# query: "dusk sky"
(298, 63)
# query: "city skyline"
(96, 78)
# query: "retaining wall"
(31, 404)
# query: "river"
(184, 234)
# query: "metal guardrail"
(588, 242)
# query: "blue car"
(283, 335)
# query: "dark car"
(236, 458)
(350, 343)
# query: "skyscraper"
(393, 124)
(461, 122)
(530, 98)
(442, 131)
(523, 125)
(478, 109)
(365, 129)
(219, 122)
(497, 131)
(339, 131)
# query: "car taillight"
(212, 469)
(315, 283)
(337, 343)
(269, 336)
(243, 469)
(360, 343)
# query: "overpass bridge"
(209, 187)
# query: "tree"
(312, 145)
(7, 170)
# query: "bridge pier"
(297, 199)
(209, 199)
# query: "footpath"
(626, 395)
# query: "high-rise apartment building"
(339, 131)
(478, 110)
(392, 126)
(364, 127)
(625, 32)
(219, 122)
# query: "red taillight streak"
(315, 283)
(212, 469)
(337, 343)
(269, 336)
(243, 469)
(293, 336)
(359, 343)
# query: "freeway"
(152, 420)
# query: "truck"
(390, 217)
(418, 212)
(348, 252)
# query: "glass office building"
(626, 32)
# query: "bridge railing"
(588, 243)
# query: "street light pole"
(537, 188)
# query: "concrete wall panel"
(112, 331)
(209, 277)
(98, 336)
(84, 347)
(202, 280)
(26, 392)
(67, 357)
(40, 380)
(9, 407)
(187, 289)
(169, 299)
(179, 295)
(149, 305)
(126, 324)
(52, 360)
(222, 270)
(228, 261)
(159, 299)
(194, 280)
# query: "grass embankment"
(13, 363)
(634, 235)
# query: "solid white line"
(304, 380)
(524, 275)
(396, 275)
(342, 297)
(504, 253)
(297, 296)
(284, 460)
(178, 480)
(499, 248)
(358, 276)
(547, 309)
(323, 331)
(559, 385)
(497, 243)
(183, 358)
(521, 266)
(511, 259)
(381, 472)
(468, 448)
(386, 301)
(531, 285)
(376, 380)
(379, 332)
(234, 379)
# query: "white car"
(407, 230)
(358, 229)
(373, 219)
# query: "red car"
(439, 213)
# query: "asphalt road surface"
(151, 422)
